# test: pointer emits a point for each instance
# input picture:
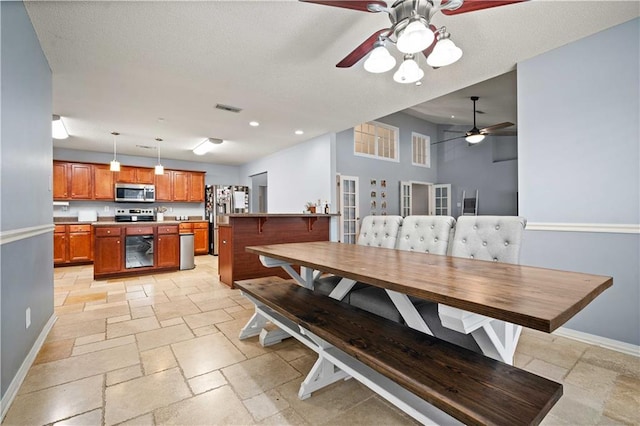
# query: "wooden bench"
(411, 369)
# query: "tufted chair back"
(379, 231)
(496, 238)
(426, 234)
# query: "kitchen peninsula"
(239, 231)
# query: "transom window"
(373, 139)
(421, 150)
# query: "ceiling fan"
(411, 32)
(476, 135)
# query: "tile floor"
(163, 349)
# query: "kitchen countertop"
(281, 214)
(111, 222)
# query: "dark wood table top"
(538, 298)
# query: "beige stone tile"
(105, 344)
(207, 329)
(589, 384)
(68, 309)
(57, 349)
(544, 369)
(291, 349)
(116, 297)
(207, 318)
(254, 376)
(624, 403)
(135, 295)
(131, 327)
(91, 418)
(144, 420)
(206, 382)
(98, 306)
(570, 411)
(135, 397)
(142, 312)
(123, 374)
(92, 338)
(266, 404)
(373, 411)
(625, 364)
(59, 298)
(180, 308)
(84, 298)
(159, 287)
(163, 336)
(181, 291)
(250, 347)
(521, 360)
(133, 288)
(121, 318)
(284, 418)
(216, 304)
(232, 309)
(95, 312)
(63, 331)
(213, 293)
(158, 359)
(56, 403)
(172, 321)
(561, 352)
(219, 407)
(204, 354)
(53, 373)
(148, 301)
(305, 363)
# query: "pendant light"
(380, 60)
(114, 166)
(159, 170)
(408, 71)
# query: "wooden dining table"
(489, 300)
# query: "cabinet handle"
(118, 242)
(224, 241)
(108, 232)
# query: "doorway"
(259, 185)
(424, 198)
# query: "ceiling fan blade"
(353, 4)
(450, 139)
(360, 51)
(490, 129)
(426, 52)
(473, 5)
(505, 133)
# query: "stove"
(134, 215)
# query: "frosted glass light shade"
(58, 131)
(379, 61)
(408, 72)
(159, 170)
(114, 166)
(475, 138)
(415, 38)
(444, 53)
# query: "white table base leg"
(254, 326)
(271, 335)
(408, 312)
(322, 374)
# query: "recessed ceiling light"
(299, 132)
(254, 124)
(453, 116)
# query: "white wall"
(578, 148)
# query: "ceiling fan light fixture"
(415, 37)
(58, 130)
(408, 71)
(444, 53)
(475, 138)
(380, 60)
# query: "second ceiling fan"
(476, 135)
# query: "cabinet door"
(225, 254)
(59, 247)
(196, 191)
(144, 175)
(60, 181)
(201, 238)
(180, 185)
(126, 175)
(81, 179)
(164, 186)
(109, 254)
(168, 250)
(103, 179)
(79, 246)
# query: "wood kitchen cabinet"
(225, 254)
(196, 190)
(164, 186)
(72, 244)
(200, 231)
(60, 181)
(109, 250)
(103, 182)
(128, 174)
(72, 181)
(168, 247)
(181, 181)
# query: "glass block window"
(377, 140)
(421, 150)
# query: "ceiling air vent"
(228, 108)
(146, 147)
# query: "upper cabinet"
(85, 181)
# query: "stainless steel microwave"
(135, 193)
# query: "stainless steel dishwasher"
(186, 251)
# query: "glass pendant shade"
(159, 170)
(58, 131)
(380, 60)
(475, 138)
(408, 72)
(415, 38)
(114, 166)
(444, 53)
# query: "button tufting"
(416, 225)
(406, 237)
(464, 240)
(471, 256)
(506, 243)
(475, 226)
(421, 238)
(497, 227)
(484, 243)
(432, 226)
(386, 235)
(495, 259)
(426, 251)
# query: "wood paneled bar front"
(250, 229)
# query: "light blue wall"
(349, 164)
(25, 157)
(471, 167)
(578, 147)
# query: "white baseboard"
(592, 339)
(13, 388)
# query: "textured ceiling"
(157, 69)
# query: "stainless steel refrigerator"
(221, 200)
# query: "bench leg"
(253, 327)
(340, 291)
(322, 374)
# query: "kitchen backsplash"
(108, 209)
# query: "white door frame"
(408, 184)
(345, 214)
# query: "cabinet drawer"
(139, 230)
(108, 232)
(167, 229)
(60, 229)
(186, 227)
(79, 228)
(200, 225)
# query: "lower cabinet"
(200, 231)
(72, 244)
(109, 254)
(168, 247)
(225, 254)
